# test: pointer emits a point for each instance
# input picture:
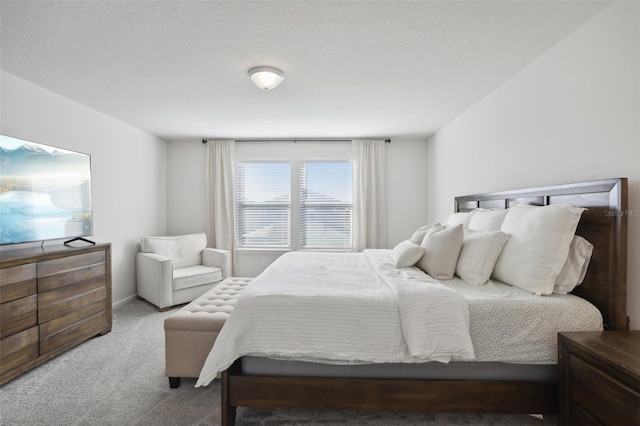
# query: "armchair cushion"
(195, 275)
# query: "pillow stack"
(538, 245)
(418, 236)
(406, 254)
(436, 254)
(480, 251)
(487, 220)
(441, 247)
(530, 247)
(460, 218)
(575, 268)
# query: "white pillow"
(480, 251)
(406, 254)
(538, 247)
(441, 250)
(419, 234)
(575, 268)
(487, 220)
(459, 218)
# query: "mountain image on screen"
(45, 192)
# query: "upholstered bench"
(190, 332)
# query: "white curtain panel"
(221, 206)
(369, 194)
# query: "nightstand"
(599, 378)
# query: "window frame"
(239, 206)
(300, 208)
(293, 152)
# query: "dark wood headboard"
(604, 224)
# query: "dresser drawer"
(74, 317)
(58, 302)
(77, 333)
(606, 399)
(18, 349)
(53, 274)
(17, 282)
(18, 315)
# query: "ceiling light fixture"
(266, 78)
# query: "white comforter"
(342, 308)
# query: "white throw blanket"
(342, 308)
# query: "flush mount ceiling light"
(266, 78)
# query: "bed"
(526, 389)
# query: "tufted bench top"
(209, 311)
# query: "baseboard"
(123, 301)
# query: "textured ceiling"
(178, 69)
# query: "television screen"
(45, 192)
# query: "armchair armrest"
(153, 256)
(219, 258)
(154, 278)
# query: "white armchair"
(175, 270)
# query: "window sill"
(331, 250)
(258, 250)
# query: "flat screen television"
(45, 193)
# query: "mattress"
(456, 370)
(505, 325)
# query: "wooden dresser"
(52, 298)
(599, 375)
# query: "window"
(318, 216)
(263, 204)
(325, 205)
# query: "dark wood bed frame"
(604, 224)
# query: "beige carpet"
(118, 379)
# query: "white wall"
(187, 205)
(407, 183)
(406, 186)
(571, 115)
(129, 180)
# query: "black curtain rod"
(204, 141)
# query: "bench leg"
(174, 382)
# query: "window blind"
(325, 205)
(263, 192)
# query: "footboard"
(384, 394)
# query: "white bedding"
(508, 324)
(342, 308)
(511, 325)
(311, 307)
